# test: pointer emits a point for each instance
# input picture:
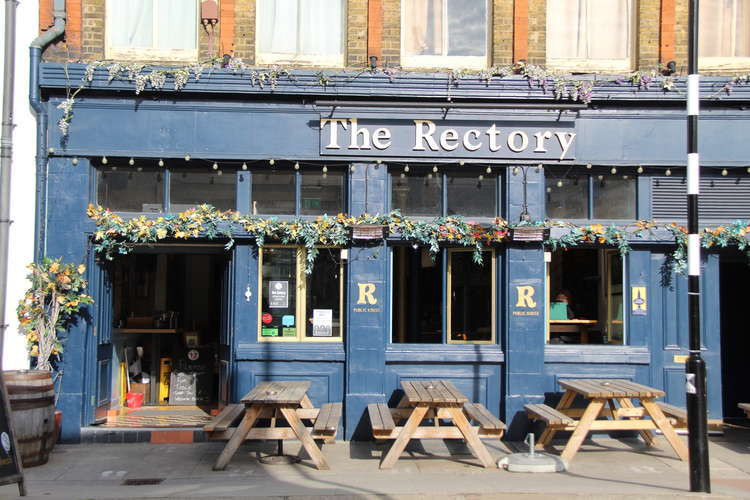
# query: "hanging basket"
(369, 231)
(529, 233)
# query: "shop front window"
(418, 296)
(122, 190)
(419, 191)
(311, 190)
(295, 306)
(188, 188)
(585, 297)
(574, 195)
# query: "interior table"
(624, 414)
(578, 326)
(284, 398)
(436, 399)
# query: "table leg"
(306, 403)
(251, 415)
(404, 436)
(472, 439)
(582, 429)
(564, 404)
(647, 436)
(666, 428)
(305, 438)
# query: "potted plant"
(54, 301)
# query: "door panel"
(102, 394)
(226, 332)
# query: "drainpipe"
(35, 99)
(6, 156)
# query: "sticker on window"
(287, 320)
(322, 322)
(278, 294)
(289, 332)
(269, 332)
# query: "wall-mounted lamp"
(373, 62)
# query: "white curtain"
(589, 29)
(304, 27)
(418, 17)
(178, 22)
(724, 29)
(130, 23)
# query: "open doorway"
(168, 308)
(735, 341)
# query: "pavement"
(604, 468)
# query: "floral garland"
(117, 235)
(52, 302)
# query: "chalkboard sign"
(193, 380)
(10, 462)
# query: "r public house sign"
(446, 139)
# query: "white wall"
(23, 187)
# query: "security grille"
(721, 198)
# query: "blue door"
(226, 331)
(101, 344)
(669, 330)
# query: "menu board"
(10, 463)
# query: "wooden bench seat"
(484, 419)
(327, 423)
(381, 419)
(553, 417)
(675, 413)
(744, 407)
(225, 418)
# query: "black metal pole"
(695, 368)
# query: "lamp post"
(695, 367)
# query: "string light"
(161, 162)
(75, 161)
(51, 150)
(748, 170)
(406, 168)
(613, 171)
(515, 170)
(559, 184)
(244, 166)
(639, 170)
(461, 163)
(187, 157)
(379, 161)
(724, 172)
(549, 189)
(296, 165)
(539, 168)
(434, 168)
(481, 177)
(104, 160)
(131, 162)
(325, 168)
(588, 166)
(215, 166)
(668, 172)
(489, 170)
(352, 168)
(271, 162)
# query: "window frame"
(300, 297)
(449, 298)
(604, 258)
(149, 54)
(297, 174)
(315, 60)
(723, 63)
(591, 177)
(579, 65)
(434, 61)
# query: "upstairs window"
(724, 34)
(590, 35)
(152, 29)
(300, 32)
(444, 33)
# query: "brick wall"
(681, 35)
(647, 43)
(503, 32)
(356, 34)
(93, 30)
(244, 30)
(392, 32)
(537, 31)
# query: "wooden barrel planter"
(32, 406)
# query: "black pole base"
(697, 410)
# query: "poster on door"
(278, 294)
(322, 322)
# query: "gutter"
(35, 100)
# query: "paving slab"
(604, 468)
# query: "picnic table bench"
(437, 400)
(275, 402)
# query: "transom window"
(421, 285)
(724, 34)
(573, 194)
(444, 33)
(300, 31)
(465, 191)
(152, 29)
(295, 306)
(585, 297)
(590, 35)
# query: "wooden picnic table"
(618, 395)
(285, 400)
(437, 400)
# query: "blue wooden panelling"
(326, 379)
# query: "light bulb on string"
(724, 172)
(131, 162)
(434, 168)
(379, 161)
(639, 170)
(539, 168)
(668, 172)
(588, 166)
(51, 151)
(74, 161)
(271, 162)
(244, 166)
(161, 162)
(104, 160)
(559, 184)
(515, 170)
(481, 177)
(296, 165)
(462, 163)
(748, 170)
(215, 166)
(613, 171)
(489, 170)
(406, 168)
(549, 189)
(187, 157)
(325, 169)
(352, 168)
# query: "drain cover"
(142, 481)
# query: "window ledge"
(605, 354)
(444, 353)
(297, 351)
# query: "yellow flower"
(54, 267)
(161, 233)
(34, 350)
(81, 269)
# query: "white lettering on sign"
(429, 137)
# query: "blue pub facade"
(385, 310)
